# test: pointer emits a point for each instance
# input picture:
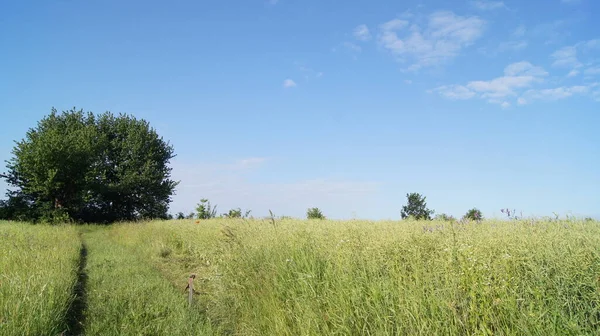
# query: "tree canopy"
(416, 207)
(87, 168)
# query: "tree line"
(86, 168)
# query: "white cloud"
(456, 92)
(566, 57)
(442, 39)
(395, 24)
(231, 185)
(505, 104)
(408, 81)
(288, 83)
(512, 45)
(570, 57)
(555, 93)
(521, 101)
(524, 68)
(487, 4)
(362, 33)
(517, 76)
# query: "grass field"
(38, 270)
(331, 277)
(383, 278)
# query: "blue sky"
(290, 104)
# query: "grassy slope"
(38, 269)
(127, 296)
(312, 277)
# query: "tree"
(86, 168)
(237, 213)
(473, 214)
(205, 210)
(416, 207)
(314, 213)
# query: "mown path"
(119, 293)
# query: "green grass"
(38, 269)
(306, 278)
(127, 296)
(383, 278)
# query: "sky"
(284, 105)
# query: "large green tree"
(89, 168)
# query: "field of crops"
(292, 277)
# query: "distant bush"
(237, 213)
(314, 213)
(180, 215)
(205, 210)
(444, 217)
(473, 214)
(416, 207)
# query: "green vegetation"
(87, 168)
(473, 214)
(314, 213)
(38, 270)
(205, 210)
(382, 278)
(416, 208)
(127, 296)
(291, 277)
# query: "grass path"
(127, 296)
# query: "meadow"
(38, 270)
(325, 277)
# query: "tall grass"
(127, 296)
(38, 269)
(383, 278)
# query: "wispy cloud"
(441, 39)
(488, 5)
(592, 71)
(512, 45)
(554, 94)
(456, 92)
(232, 185)
(566, 57)
(289, 83)
(517, 76)
(362, 33)
(569, 57)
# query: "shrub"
(205, 210)
(473, 214)
(314, 213)
(444, 217)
